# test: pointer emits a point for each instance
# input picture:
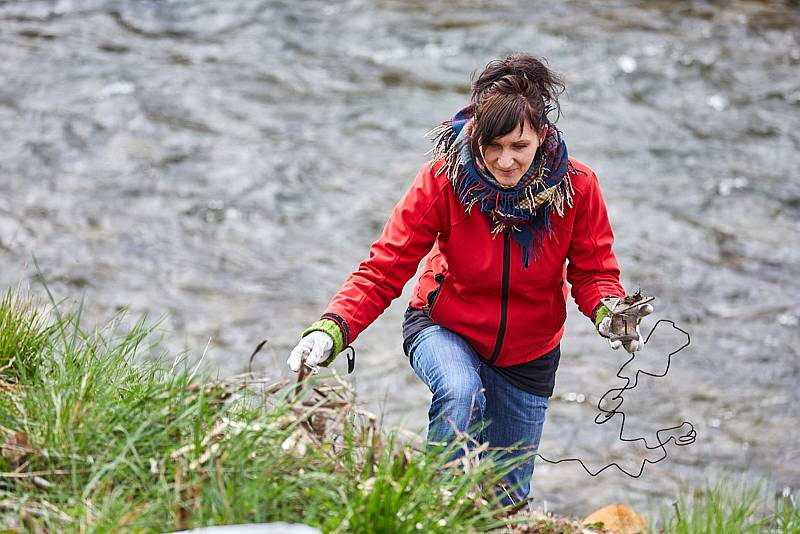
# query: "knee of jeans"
(461, 395)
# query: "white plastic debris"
(627, 64)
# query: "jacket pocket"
(436, 296)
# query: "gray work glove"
(618, 320)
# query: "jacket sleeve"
(409, 234)
(592, 268)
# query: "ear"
(543, 135)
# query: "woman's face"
(509, 156)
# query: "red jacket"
(508, 314)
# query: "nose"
(505, 161)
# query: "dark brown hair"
(510, 92)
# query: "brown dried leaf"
(16, 449)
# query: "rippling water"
(229, 163)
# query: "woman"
(502, 217)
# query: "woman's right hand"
(315, 348)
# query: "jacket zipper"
(501, 331)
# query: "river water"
(226, 164)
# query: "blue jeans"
(468, 392)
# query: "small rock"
(618, 518)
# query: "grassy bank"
(730, 508)
(96, 439)
(93, 438)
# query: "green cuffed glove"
(601, 313)
(319, 345)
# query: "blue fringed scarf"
(524, 209)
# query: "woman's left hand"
(617, 327)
